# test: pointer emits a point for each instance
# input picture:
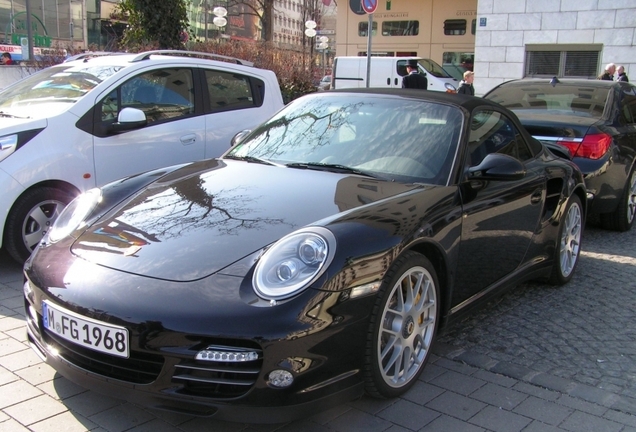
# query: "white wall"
(511, 24)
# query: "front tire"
(566, 255)
(622, 218)
(403, 326)
(31, 218)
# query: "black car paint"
(458, 227)
(606, 177)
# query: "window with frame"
(363, 28)
(229, 91)
(162, 94)
(493, 132)
(400, 28)
(455, 27)
(562, 61)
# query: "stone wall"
(512, 24)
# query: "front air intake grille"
(138, 369)
(217, 379)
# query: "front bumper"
(323, 350)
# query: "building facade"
(506, 39)
(442, 30)
(545, 38)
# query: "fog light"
(280, 378)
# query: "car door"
(499, 218)
(174, 132)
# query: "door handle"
(188, 139)
(536, 196)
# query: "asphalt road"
(539, 358)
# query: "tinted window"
(455, 27)
(363, 28)
(493, 132)
(229, 91)
(400, 28)
(563, 98)
(628, 107)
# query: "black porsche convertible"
(314, 261)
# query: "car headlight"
(450, 87)
(74, 214)
(293, 263)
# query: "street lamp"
(324, 45)
(219, 16)
(310, 32)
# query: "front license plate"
(87, 332)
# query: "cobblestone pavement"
(538, 359)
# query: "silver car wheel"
(631, 198)
(570, 240)
(407, 327)
(39, 221)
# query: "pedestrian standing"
(414, 79)
(466, 85)
(620, 74)
(6, 59)
(608, 74)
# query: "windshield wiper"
(6, 114)
(252, 159)
(337, 168)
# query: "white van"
(387, 72)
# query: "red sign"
(369, 6)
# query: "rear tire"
(31, 217)
(622, 218)
(403, 326)
(568, 248)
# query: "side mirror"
(497, 166)
(128, 119)
(239, 137)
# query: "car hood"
(551, 125)
(207, 215)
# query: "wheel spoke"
(408, 324)
(631, 199)
(570, 240)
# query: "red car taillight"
(592, 147)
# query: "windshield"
(543, 98)
(409, 140)
(433, 69)
(52, 90)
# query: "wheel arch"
(59, 184)
(438, 259)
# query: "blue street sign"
(369, 6)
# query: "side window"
(163, 94)
(628, 109)
(493, 132)
(229, 91)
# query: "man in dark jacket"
(466, 85)
(621, 75)
(414, 79)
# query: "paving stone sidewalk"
(538, 359)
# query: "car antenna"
(554, 81)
